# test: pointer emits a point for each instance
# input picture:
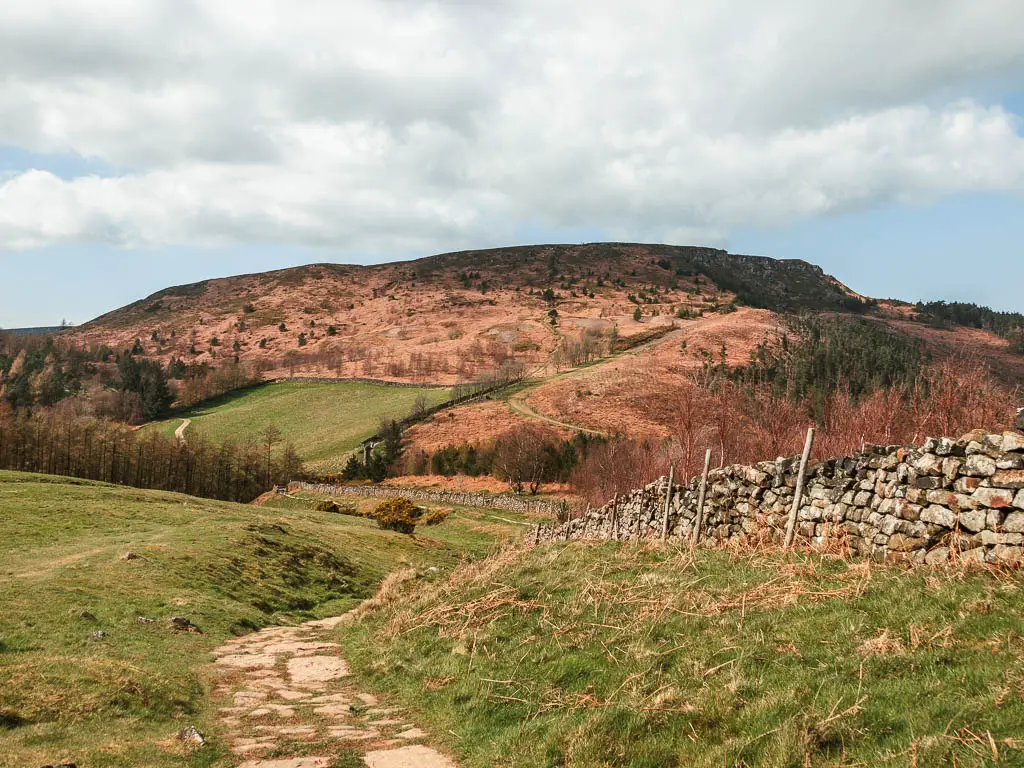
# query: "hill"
(91, 668)
(450, 317)
(604, 332)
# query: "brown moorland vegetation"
(746, 425)
(448, 318)
(623, 340)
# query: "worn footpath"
(288, 702)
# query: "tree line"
(524, 457)
(62, 442)
(817, 355)
(853, 379)
(1009, 325)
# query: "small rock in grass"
(191, 735)
(180, 622)
(82, 614)
(132, 556)
(99, 635)
(144, 620)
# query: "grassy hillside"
(119, 699)
(324, 421)
(599, 655)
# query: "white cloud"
(391, 126)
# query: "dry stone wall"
(895, 503)
(452, 498)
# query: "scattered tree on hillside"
(148, 380)
(419, 407)
(269, 436)
(392, 436)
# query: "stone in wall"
(919, 504)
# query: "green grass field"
(324, 421)
(607, 655)
(118, 700)
(566, 655)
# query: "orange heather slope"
(443, 318)
(566, 313)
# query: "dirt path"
(180, 431)
(517, 402)
(286, 691)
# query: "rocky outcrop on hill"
(920, 504)
(761, 281)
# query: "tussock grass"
(609, 655)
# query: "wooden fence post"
(799, 493)
(699, 520)
(615, 517)
(536, 536)
(668, 500)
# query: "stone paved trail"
(288, 702)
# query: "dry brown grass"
(725, 656)
(477, 424)
(389, 591)
(645, 600)
(883, 645)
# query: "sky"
(151, 144)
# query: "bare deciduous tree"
(521, 457)
(269, 436)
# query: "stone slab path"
(288, 702)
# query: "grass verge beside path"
(608, 655)
(324, 421)
(119, 698)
